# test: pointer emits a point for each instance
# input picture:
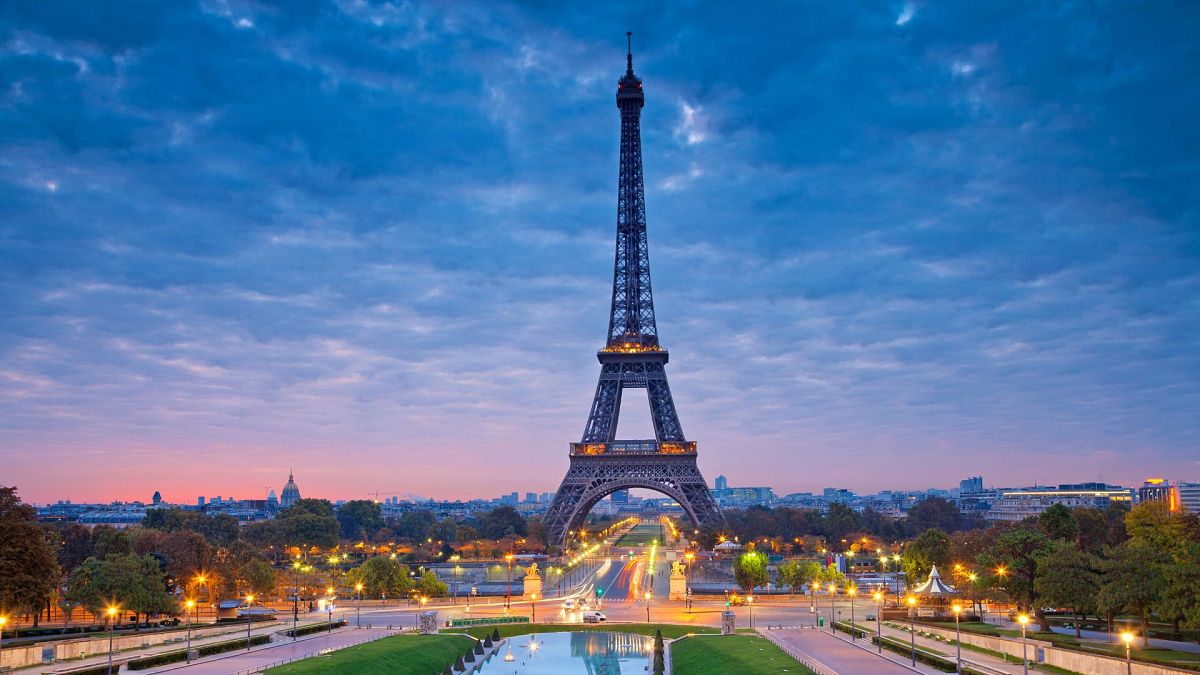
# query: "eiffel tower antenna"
(632, 358)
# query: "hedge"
(201, 651)
(844, 626)
(96, 670)
(314, 628)
(946, 665)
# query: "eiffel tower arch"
(632, 358)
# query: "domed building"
(290, 494)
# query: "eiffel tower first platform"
(632, 358)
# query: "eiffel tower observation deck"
(632, 358)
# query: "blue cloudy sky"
(894, 244)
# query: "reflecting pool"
(566, 653)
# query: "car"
(594, 617)
(870, 617)
(584, 603)
(569, 604)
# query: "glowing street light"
(191, 606)
(358, 606)
(957, 609)
(912, 626)
(508, 592)
(851, 591)
(111, 612)
(647, 596)
(750, 606)
(249, 604)
(878, 628)
(1127, 638)
(1023, 619)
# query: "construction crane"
(375, 495)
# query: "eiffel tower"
(632, 358)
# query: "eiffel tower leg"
(591, 478)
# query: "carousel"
(934, 597)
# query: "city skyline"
(374, 245)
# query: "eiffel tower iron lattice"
(632, 358)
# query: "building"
(290, 494)
(1189, 497)
(970, 485)
(1159, 490)
(1017, 505)
(722, 483)
(156, 499)
(620, 497)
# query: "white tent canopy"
(727, 546)
(934, 586)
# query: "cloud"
(380, 235)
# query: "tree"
(430, 586)
(1068, 577)
(464, 533)
(501, 522)
(841, 520)
(132, 582)
(257, 577)
(1017, 551)
(306, 529)
(1057, 522)
(933, 512)
(797, 573)
(359, 519)
(931, 548)
(382, 576)
(315, 507)
(29, 571)
(1099, 528)
(1180, 599)
(110, 541)
(750, 570)
(1133, 582)
(414, 525)
(74, 545)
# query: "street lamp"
(832, 611)
(532, 606)
(249, 604)
(455, 558)
(750, 605)
(957, 609)
(358, 606)
(508, 593)
(191, 605)
(878, 620)
(687, 582)
(1024, 621)
(812, 605)
(912, 626)
(1127, 638)
(112, 617)
(852, 591)
(3, 622)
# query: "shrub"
(178, 655)
(314, 628)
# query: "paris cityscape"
(300, 303)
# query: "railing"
(635, 448)
(804, 659)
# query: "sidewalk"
(838, 656)
(276, 652)
(948, 650)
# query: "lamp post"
(912, 627)
(1127, 638)
(878, 621)
(1024, 621)
(896, 574)
(3, 622)
(852, 591)
(687, 582)
(812, 605)
(832, 611)
(750, 605)
(112, 617)
(972, 577)
(508, 593)
(329, 607)
(532, 606)
(454, 598)
(191, 605)
(358, 606)
(249, 604)
(957, 638)
(647, 596)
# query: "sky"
(894, 244)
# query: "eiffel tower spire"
(631, 324)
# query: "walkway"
(285, 650)
(837, 655)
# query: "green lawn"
(642, 535)
(397, 655)
(670, 631)
(741, 654)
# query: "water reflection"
(582, 652)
